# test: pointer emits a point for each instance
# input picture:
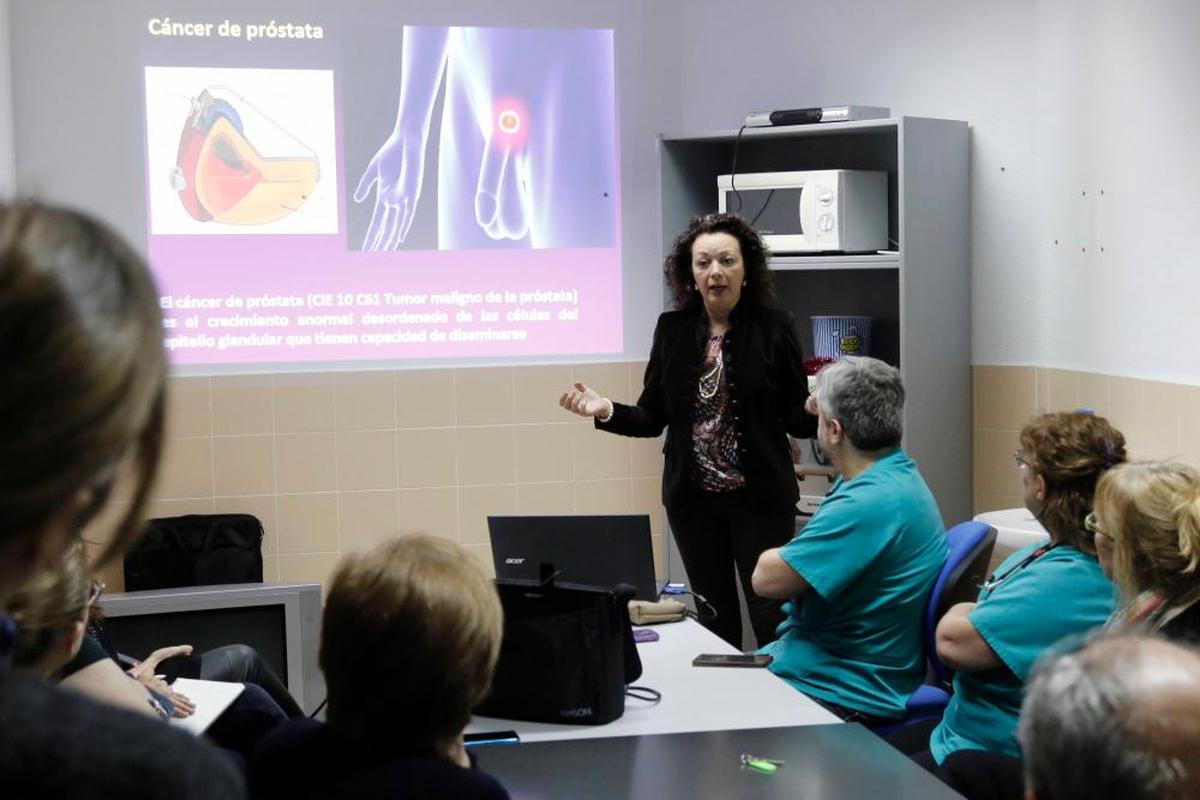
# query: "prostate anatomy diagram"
(240, 174)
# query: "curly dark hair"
(1071, 451)
(677, 267)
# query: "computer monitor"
(282, 621)
(596, 550)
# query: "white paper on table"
(211, 698)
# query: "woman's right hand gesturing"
(585, 401)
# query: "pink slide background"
(333, 281)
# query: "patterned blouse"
(715, 465)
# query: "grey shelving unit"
(919, 296)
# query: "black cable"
(313, 715)
(733, 171)
(643, 693)
(712, 612)
(766, 202)
(818, 456)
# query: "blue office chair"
(961, 576)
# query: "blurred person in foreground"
(1118, 719)
(83, 373)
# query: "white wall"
(8, 162)
(1064, 97)
(1117, 86)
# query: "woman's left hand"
(150, 665)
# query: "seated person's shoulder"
(52, 742)
(90, 652)
(303, 759)
(292, 742)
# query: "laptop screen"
(593, 550)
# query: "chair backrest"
(966, 566)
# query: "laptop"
(593, 550)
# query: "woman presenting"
(725, 378)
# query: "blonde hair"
(409, 641)
(49, 605)
(1070, 451)
(1152, 511)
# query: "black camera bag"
(196, 550)
(567, 655)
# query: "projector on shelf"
(808, 116)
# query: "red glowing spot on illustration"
(511, 120)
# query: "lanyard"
(994, 580)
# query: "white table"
(693, 698)
(1015, 528)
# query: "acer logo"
(514, 561)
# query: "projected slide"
(321, 194)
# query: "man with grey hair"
(858, 575)
(1118, 718)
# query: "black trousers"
(718, 532)
(975, 774)
(238, 663)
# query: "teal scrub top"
(870, 555)
(1062, 592)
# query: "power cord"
(818, 456)
(737, 140)
(701, 600)
(643, 693)
(766, 203)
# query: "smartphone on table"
(731, 660)
(490, 737)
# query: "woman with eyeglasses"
(1037, 596)
(1147, 534)
(51, 613)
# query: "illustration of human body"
(526, 153)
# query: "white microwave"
(825, 210)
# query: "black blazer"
(764, 370)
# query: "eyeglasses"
(94, 592)
(1089, 524)
(1020, 460)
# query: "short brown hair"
(1071, 451)
(1152, 512)
(409, 640)
(83, 370)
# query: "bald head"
(1119, 718)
